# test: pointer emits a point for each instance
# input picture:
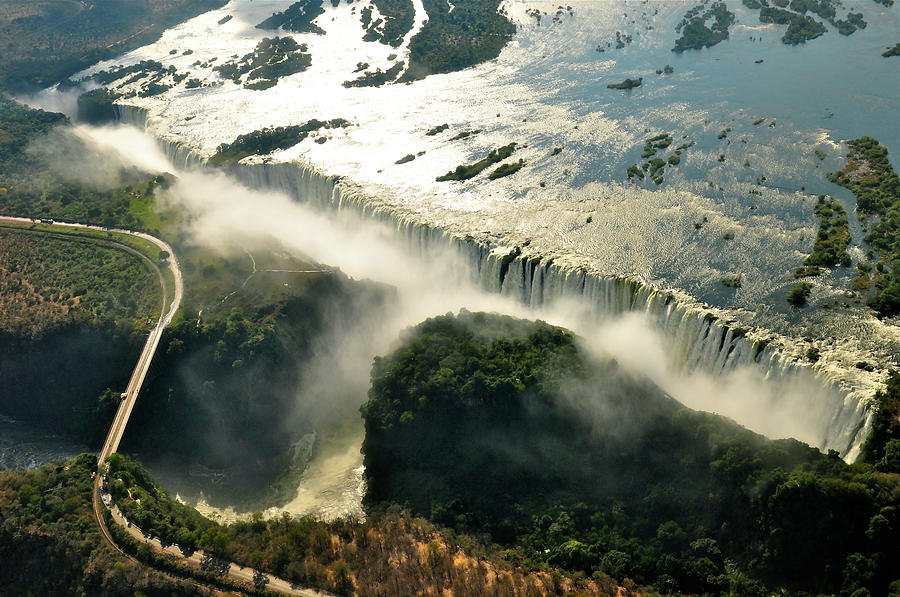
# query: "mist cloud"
(223, 214)
(100, 157)
(230, 217)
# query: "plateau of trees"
(265, 141)
(30, 185)
(882, 447)
(626, 84)
(695, 33)
(801, 27)
(397, 17)
(272, 59)
(832, 240)
(799, 293)
(472, 32)
(508, 429)
(377, 77)
(98, 105)
(298, 17)
(50, 543)
(655, 168)
(506, 169)
(72, 315)
(388, 554)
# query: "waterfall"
(832, 402)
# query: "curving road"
(195, 559)
(117, 429)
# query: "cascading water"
(834, 409)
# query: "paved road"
(143, 365)
(117, 429)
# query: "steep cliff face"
(829, 401)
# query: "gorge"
(824, 408)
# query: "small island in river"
(626, 84)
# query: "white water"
(694, 352)
(547, 89)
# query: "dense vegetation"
(882, 447)
(853, 22)
(456, 37)
(272, 59)
(397, 17)
(506, 169)
(18, 126)
(466, 134)
(298, 17)
(651, 145)
(50, 543)
(117, 73)
(436, 130)
(72, 318)
(386, 555)
(799, 293)
(507, 428)
(265, 141)
(376, 78)
(832, 240)
(147, 78)
(46, 42)
(98, 106)
(695, 33)
(869, 174)
(467, 171)
(655, 168)
(801, 28)
(74, 314)
(894, 51)
(47, 281)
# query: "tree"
(343, 584)
(890, 463)
(797, 295)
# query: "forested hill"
(505, 427)
(44, 42)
